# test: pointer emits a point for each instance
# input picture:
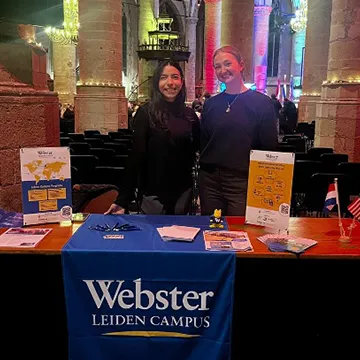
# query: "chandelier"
(298, 23)
(69, 34)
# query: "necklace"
(228, 109)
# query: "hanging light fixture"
(69, 34)
(298, 23)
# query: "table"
(323, 230)
(308, 303)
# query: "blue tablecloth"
(143, 298)
(10, 219)
(148, 239)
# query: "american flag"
(354, 208)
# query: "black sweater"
(161, 160)
(227, 138)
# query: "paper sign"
(46, 185)
(269, 189)
(25, 238)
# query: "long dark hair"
(158, 106)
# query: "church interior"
(72, 72)
(103, 271)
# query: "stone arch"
(130, 9)
(286, 6)
(284, 9)
(176, 10)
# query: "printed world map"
(41, 170)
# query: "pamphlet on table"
(224, 240)
(22, 238)
(289, 243)
(178, 233)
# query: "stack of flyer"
(224, 240)
(290, 243)
(178, 233)
(22, 238)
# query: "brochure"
(290, 243)
(224, 240)
(178, 233)
(22, 238)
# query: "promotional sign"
(140, 297)
(269, 189)
(46, 185)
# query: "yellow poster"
(269, 188)
(37, 195)
(49, 205)
(55, 194)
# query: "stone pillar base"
(338, 119)
(100, 108)
(307, 108)
(29, 118)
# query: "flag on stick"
(284, 91)
(330, 200)
(354, 208)
(291, 89)
(342, 231)
(278, 89)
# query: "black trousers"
(222, 189)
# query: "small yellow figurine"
(216, 220)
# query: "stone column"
(237, 19)
(29, 111)
(298, 45)
(190, 66)
(316, 57)
(284, 64)
(64, 61)
(261, 40)
(338, 111)
(211, 42)
(100, 102)
(146, 68)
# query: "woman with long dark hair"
(165, 140)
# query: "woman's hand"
(115, 210)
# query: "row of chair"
(307, 130)
(100, 175)
(106, 150)
(86, 167)
(312, 198)
(92, 133)
(312, 178)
